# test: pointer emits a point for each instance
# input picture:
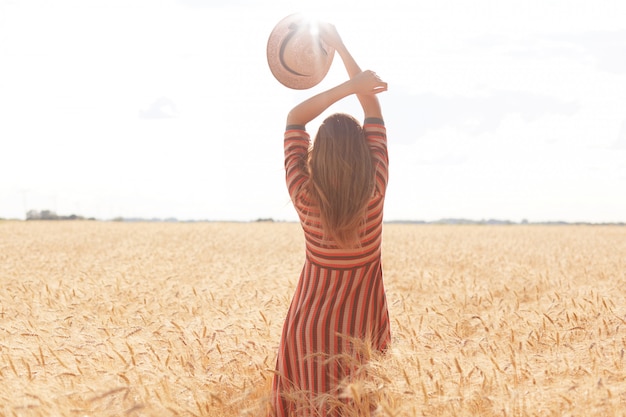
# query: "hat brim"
(297, 58)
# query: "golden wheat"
(151, 319)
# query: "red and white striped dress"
(340, 294)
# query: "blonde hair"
(342, 178)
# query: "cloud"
(475, 115)
(161, 108)
(444, 158)
(212, 3)
(605, 49)
(620, 142)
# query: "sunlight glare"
(312, 20)
(314, 27)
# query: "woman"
(338, 189)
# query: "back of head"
(342, 177)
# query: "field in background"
(154, 319)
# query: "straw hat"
(297, 57)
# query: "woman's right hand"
(329, 34)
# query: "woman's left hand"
(368, 82)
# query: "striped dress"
(339, 299)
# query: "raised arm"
(364, 84)
(369, 102)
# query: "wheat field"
(183, 319)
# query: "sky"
(496, 109)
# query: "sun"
(313, 25)
(312, 20)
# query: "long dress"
(339, 299)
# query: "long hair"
(342, 178)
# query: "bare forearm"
(309, 109)
(369, 103)
(348, 61)
(365, 85)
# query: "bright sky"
(143, 108)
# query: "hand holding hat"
(368, 82)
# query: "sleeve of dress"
(376, 137)
(297, 142)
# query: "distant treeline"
(502, 222)
(51, 215)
